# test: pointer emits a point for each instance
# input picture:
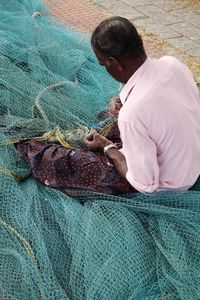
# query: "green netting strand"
(90, 245)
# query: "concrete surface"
(169, 27)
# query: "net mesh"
(87, 245)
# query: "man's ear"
(116, 63)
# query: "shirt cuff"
(151, 188)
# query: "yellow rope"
(11, 142)
(10, 173)
(105, 132)
(26, 246)
(58, 136)
(54, 134)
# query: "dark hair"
(117, 37)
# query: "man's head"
(118, 47)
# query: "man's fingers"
(118, 105)
(115, 106)
(90, 137)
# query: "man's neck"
(131, 66)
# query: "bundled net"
(91, 245)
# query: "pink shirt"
(159, 124)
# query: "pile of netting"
(91, 245)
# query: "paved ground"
(168, 27)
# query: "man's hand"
(96, 142)
(115, 106)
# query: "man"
(159, 121)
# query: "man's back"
(160, 126)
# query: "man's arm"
(118, 160)
(95, 142)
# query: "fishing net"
(88, 245)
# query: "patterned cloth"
(62, 168)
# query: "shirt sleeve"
(140, 152)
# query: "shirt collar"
(125, 92)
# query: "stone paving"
(83, 15)
(175, 23)
(168, 27)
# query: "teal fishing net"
(87, 245)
